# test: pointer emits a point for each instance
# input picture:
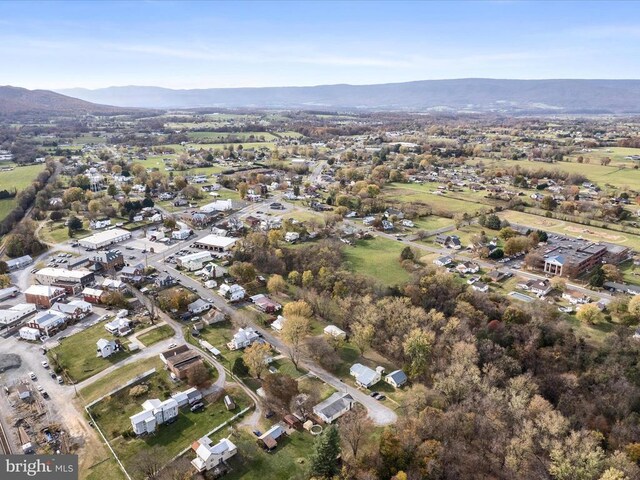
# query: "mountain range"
(461, 95)
(19, 101)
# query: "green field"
(77, 354)
(432, 222)
(118, 377)
(573, 229)
(614, 174)
(440, 204)
(156, 335)
(224, 137)
(379, 259)
(288, 461)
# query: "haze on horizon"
(56, 45)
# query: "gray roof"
(399, 377)
(335, 404)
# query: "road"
(379, 413)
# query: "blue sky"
(214, 44)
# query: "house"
(106, 348)
(243, 338)
(396, 378)
(449, 241)
(48, 322)
(278, 323)
(334, 407)
(232, 293)
(118, 326)
(182, 363)
(164, 356)
(622, 288)
(113, 285)
(154, 413)
(74, 310)
(443, 261)
(480, 287)
(18, 263)
(498, 275)
(335, 332)
(93, 295)
(265, 304)
(24, 393)
(269, 439)
(43, 295)
(408, 223)
(132, 273)
(99, 224)
(468, 267)
(366, 377)
(164, 280)
(540, 287)
(198, 306)
(188, 397)
(291, 237)
(575, 298)
(209, 456)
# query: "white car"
(45, 364)
(33, 376)
(40, 388)
(173, 345)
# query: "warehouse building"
(215, 243)
(105, 238)
(64, 277)
(18, 263)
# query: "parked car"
(196, 407)
(45, 364)
(33, 376)
(59, 379)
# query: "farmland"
(18, 178)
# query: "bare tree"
(354, 427)
(148, 462)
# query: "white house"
(209, 456)
(243, 338)
(154, 413)
(198, 306)
(232, 293)
(366, 377)
(575, 298)
(443, 261)
(181, 234)
(396, 378)
(99, 224)
(188, 397)
(335, 332)
(468, 267)
(118, 326)
(334, 407)
(480, 287)
(106, 348)
(291, 236)
(29, 333)
(278, 323)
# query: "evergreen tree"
(326, 451)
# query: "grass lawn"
(57, 232)
(18, 178)
(630, 272)
(112, 414)
(224, 137)
(593, 333)
(449, 203)
(573, 229)
(107, 468)
(433, 222)
(288, 461)
(304, 216)
(77, 354)
(119, 377)
(378, 258)
(156, 335)
(617, 174)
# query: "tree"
(148, 462)
(516, 245)
(294, 277)
(244, 272)
(559, 283)
(548, 203)
(243, 188)
(294, 331)
(507, 233)
(255, 358)
(354, 427)
(634, 307)
(493, 222)
(3, 267)
(393, 458)
(407, 253)
(307, 278)
(56, 215)
(597, 279)
(577, 457)
(276, 284)
(298, 308)
(325, 454)
(280, 390)
(322, 352)
(197, 375)
(112, 190)
(589, 313)
(417, 347)
(240, 368)
(73, 194)
(612, 273)
(362, 335)
(5, 280)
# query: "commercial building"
(43, 295)
(215, 243)
(109, 260)
(105, 238)
(48, 322)
(18, 263)
(8, 292)
(194, 261)
(12, 315)
(63, 277)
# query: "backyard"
(379, 259)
